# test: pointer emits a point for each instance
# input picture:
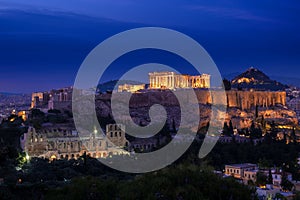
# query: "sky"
(43, 43)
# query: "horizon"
(227, 77)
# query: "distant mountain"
(110, 85)
(256, 79)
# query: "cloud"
(229, 12)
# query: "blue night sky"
(43, 43)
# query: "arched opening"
(53, 157)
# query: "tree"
(230, 129)
(256, 112)
(37, 113)
(261, 179)
(270, 178)
(285, 184)
(293, 135)
(227, 84)
(54, 111)
(255, 132)
(273, 130)
(226, 129)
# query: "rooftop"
(242, 165)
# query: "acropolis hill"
(242, 103)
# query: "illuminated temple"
(172, 80)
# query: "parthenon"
(172, 80)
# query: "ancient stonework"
(65, 143)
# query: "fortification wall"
(238, 99)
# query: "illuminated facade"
(65, 143)
(60, 99)
(39, 99)
(130, 88)
(238, 170)
(23, 114)
(172, 80)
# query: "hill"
(256, 79)
(110, 85)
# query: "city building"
(294, 104)
(250, 176)
(131, 88)
(23, 114)
(238, 170)
(172, 80)
(277, 178)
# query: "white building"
(172, 80)
(238, 170)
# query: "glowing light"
(53, 157)
(27, 157)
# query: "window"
(111, 134)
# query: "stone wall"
(250, 99)
(235, 99)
